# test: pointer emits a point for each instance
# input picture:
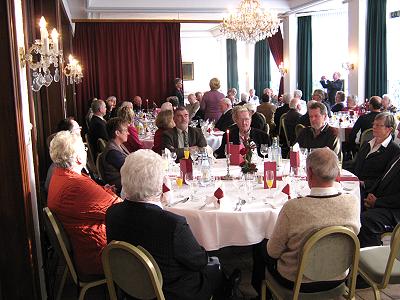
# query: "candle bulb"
(44, 35)
(54, 37)
(147, 105)
(227, 142)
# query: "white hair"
(142, 175)
(66, 148)
(227, 101)
(324, 164)
(166, 106)
(243, 97)
(297, 94)
(286, 98)
(251, 107)
(126, 103)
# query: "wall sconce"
(46, 53)
(73, 71)
(282, 69)
(348, 66)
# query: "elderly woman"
(351, 103)
(339, 102)
(257, 119)
(210, 101)
(140, 220)
(79, 203)
(113, 156)
(164, 121)
(243, 131)
(133, 143)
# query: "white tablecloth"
(217, 228)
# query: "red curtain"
(276, 46)
(127, 59)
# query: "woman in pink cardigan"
(210, 101)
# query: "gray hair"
(298, 94)
(111, 98)
(227, 101)
(354, 97)
(96, 105)
(126, 103)
(142, 175)
(243, 97)
(387, 96)
(324, 164)
(286, 98)
(237, 110)
(66, 148)
(251, 107)
(388, 119)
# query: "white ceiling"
(180, 9)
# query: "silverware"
(242, 202)
(201, 207)
(184, 200)
(237, 205)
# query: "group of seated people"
(93, 215)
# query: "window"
(393, 46)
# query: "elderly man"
(268, 110)
(242, 131)
(253, 98)
(303, 105)
(339, 102)
(332, 86)
(387, 104)
(97, 125)
(382, 204)
(79, 203)
(182, 136)
(365, 121)
(374, 156)
(319, 134)
(111, 103)
(292, 118)
(318, 96)
(193, 106)
(298, 218)
(225, 105)
(137, 103)
(187, 271)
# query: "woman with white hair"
(79, 203)
(140, 220)
(257, 119)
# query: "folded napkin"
(216, 198)
(167, 194)
(347, 178)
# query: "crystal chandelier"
(41, 55)
(73, 71)
(250, 23)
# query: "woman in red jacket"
(164, 121)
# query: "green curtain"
(231, 62)
(304, 56)
(376, 62)
(262, 74)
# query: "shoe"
(233, 285)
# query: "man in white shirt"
(253, 99)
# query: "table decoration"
(247, 165)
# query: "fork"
(184, 200)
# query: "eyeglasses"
(378, 125)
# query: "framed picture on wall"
(188, 70)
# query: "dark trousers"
(262, 260)
(375, 222)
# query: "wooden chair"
(133, 269)
(99, 166)
(366, 136)
(326, 254)
(101, 144)
(61, 244)
(285, 131)
(280, 124)
(91, 161)
(380, 265)
(298, 129)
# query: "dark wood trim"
(142, 20)
(20, 273)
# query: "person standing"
(210, 102)
(332, 86)
(178, 91)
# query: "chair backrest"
(328, 253)
(285, 131)
(266, 128)
(298, 129)
(91, 159)
(133, 269)
(101, 144)
(99, 166)
(394, 254)
(366, 136)
(280, 124)
(59, 240)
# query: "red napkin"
(219, 193)
(165, 188)
(347, 178)
(286, 190)
(295, 159)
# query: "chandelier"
(73, 71)
(250, 23)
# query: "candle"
(43, 30)
(54, 37)
(228, 146)
(147, 104)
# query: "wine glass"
(264, 150)
(191, 181)
(269, 178)
(186, 152)
(179, 182)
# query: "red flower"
(243, 151)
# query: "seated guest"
(300, 217)
(253, 98)
(174, 101)
(187, 271)
(279, 112)
(319, 134)
(167, 106)
(318, 96)
(111, 103)
(133, 143)
(387, 104)
(231, 94)
(164, 121)
(181, 136)
(97, 126)
(225, 105)
(78, 202)
(339, 102)
(243, 99)
(200, 113)
(268, 110)
(124, 104)
(193, 106)
(382, 204)
(89, 114)
(364, 122)
(375, 155)
(292, 119)
(113, 156)
(297, 94)
(257, 119)
(137, 103)
(351, 103)
(242, 131)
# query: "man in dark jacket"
(332, 86)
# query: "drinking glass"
(191, 181)
(173, 156)
(264, 150)
(186, 152)
(269, 178)
(179, 182)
